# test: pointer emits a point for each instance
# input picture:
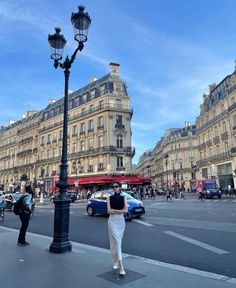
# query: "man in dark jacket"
(25, 215)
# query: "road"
(191, 233)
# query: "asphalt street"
(191, 233)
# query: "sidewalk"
(89, 267)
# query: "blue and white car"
(97, 204)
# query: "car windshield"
(127, 196)
(210, 186)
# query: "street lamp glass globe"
(57, 43)
(81, 22)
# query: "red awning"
(106, 179)
(96, 180)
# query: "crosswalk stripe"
(197, 243)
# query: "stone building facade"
(173, 160)
(204, 150)
(216, 132)
(99, 135)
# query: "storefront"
(102, 182)
(225, 175)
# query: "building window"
(83, 111)
(82, 127)
(119, 161)
(54, 152)
(90, 168)
(101, 104)
(97, 92)
(42, 140)
(224, 125)
(119, 141)
(49, 138)
(74, 148)
(100, 167)
(118, 103)
(74, 130)
(88, 97)
(119, 119)
(100, 141)
(91, 125)
(204, 173)
(100, 122)
(82, 146)
(226, 146)
(91, 108)
(90, 143)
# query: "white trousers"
(116, 228)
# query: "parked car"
(97, 204)
(10, 200)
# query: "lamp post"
(42, 187)
(81, 22)
(166, 157)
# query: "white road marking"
(197, 243)
(143, 223)
(234, 201)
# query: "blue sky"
(169, 52)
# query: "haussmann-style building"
(99, 139)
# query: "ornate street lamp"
(166, 157)
(81, 22)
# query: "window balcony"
(216, 139)
(224, 136)
(120, 168)
(119, 126)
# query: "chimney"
(51, 101)
(93, 79)
(28, 113)
(186, 124)
(12, 122)
(114, 69)
(212, 87)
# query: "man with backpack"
(23, 209)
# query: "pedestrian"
(168, 195)
(116, 207)
(181, 192)
(25, 215)
(152, 193)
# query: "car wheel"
(90, 211)
(219, 197)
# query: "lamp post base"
(61, 243)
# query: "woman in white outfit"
(116, 208)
